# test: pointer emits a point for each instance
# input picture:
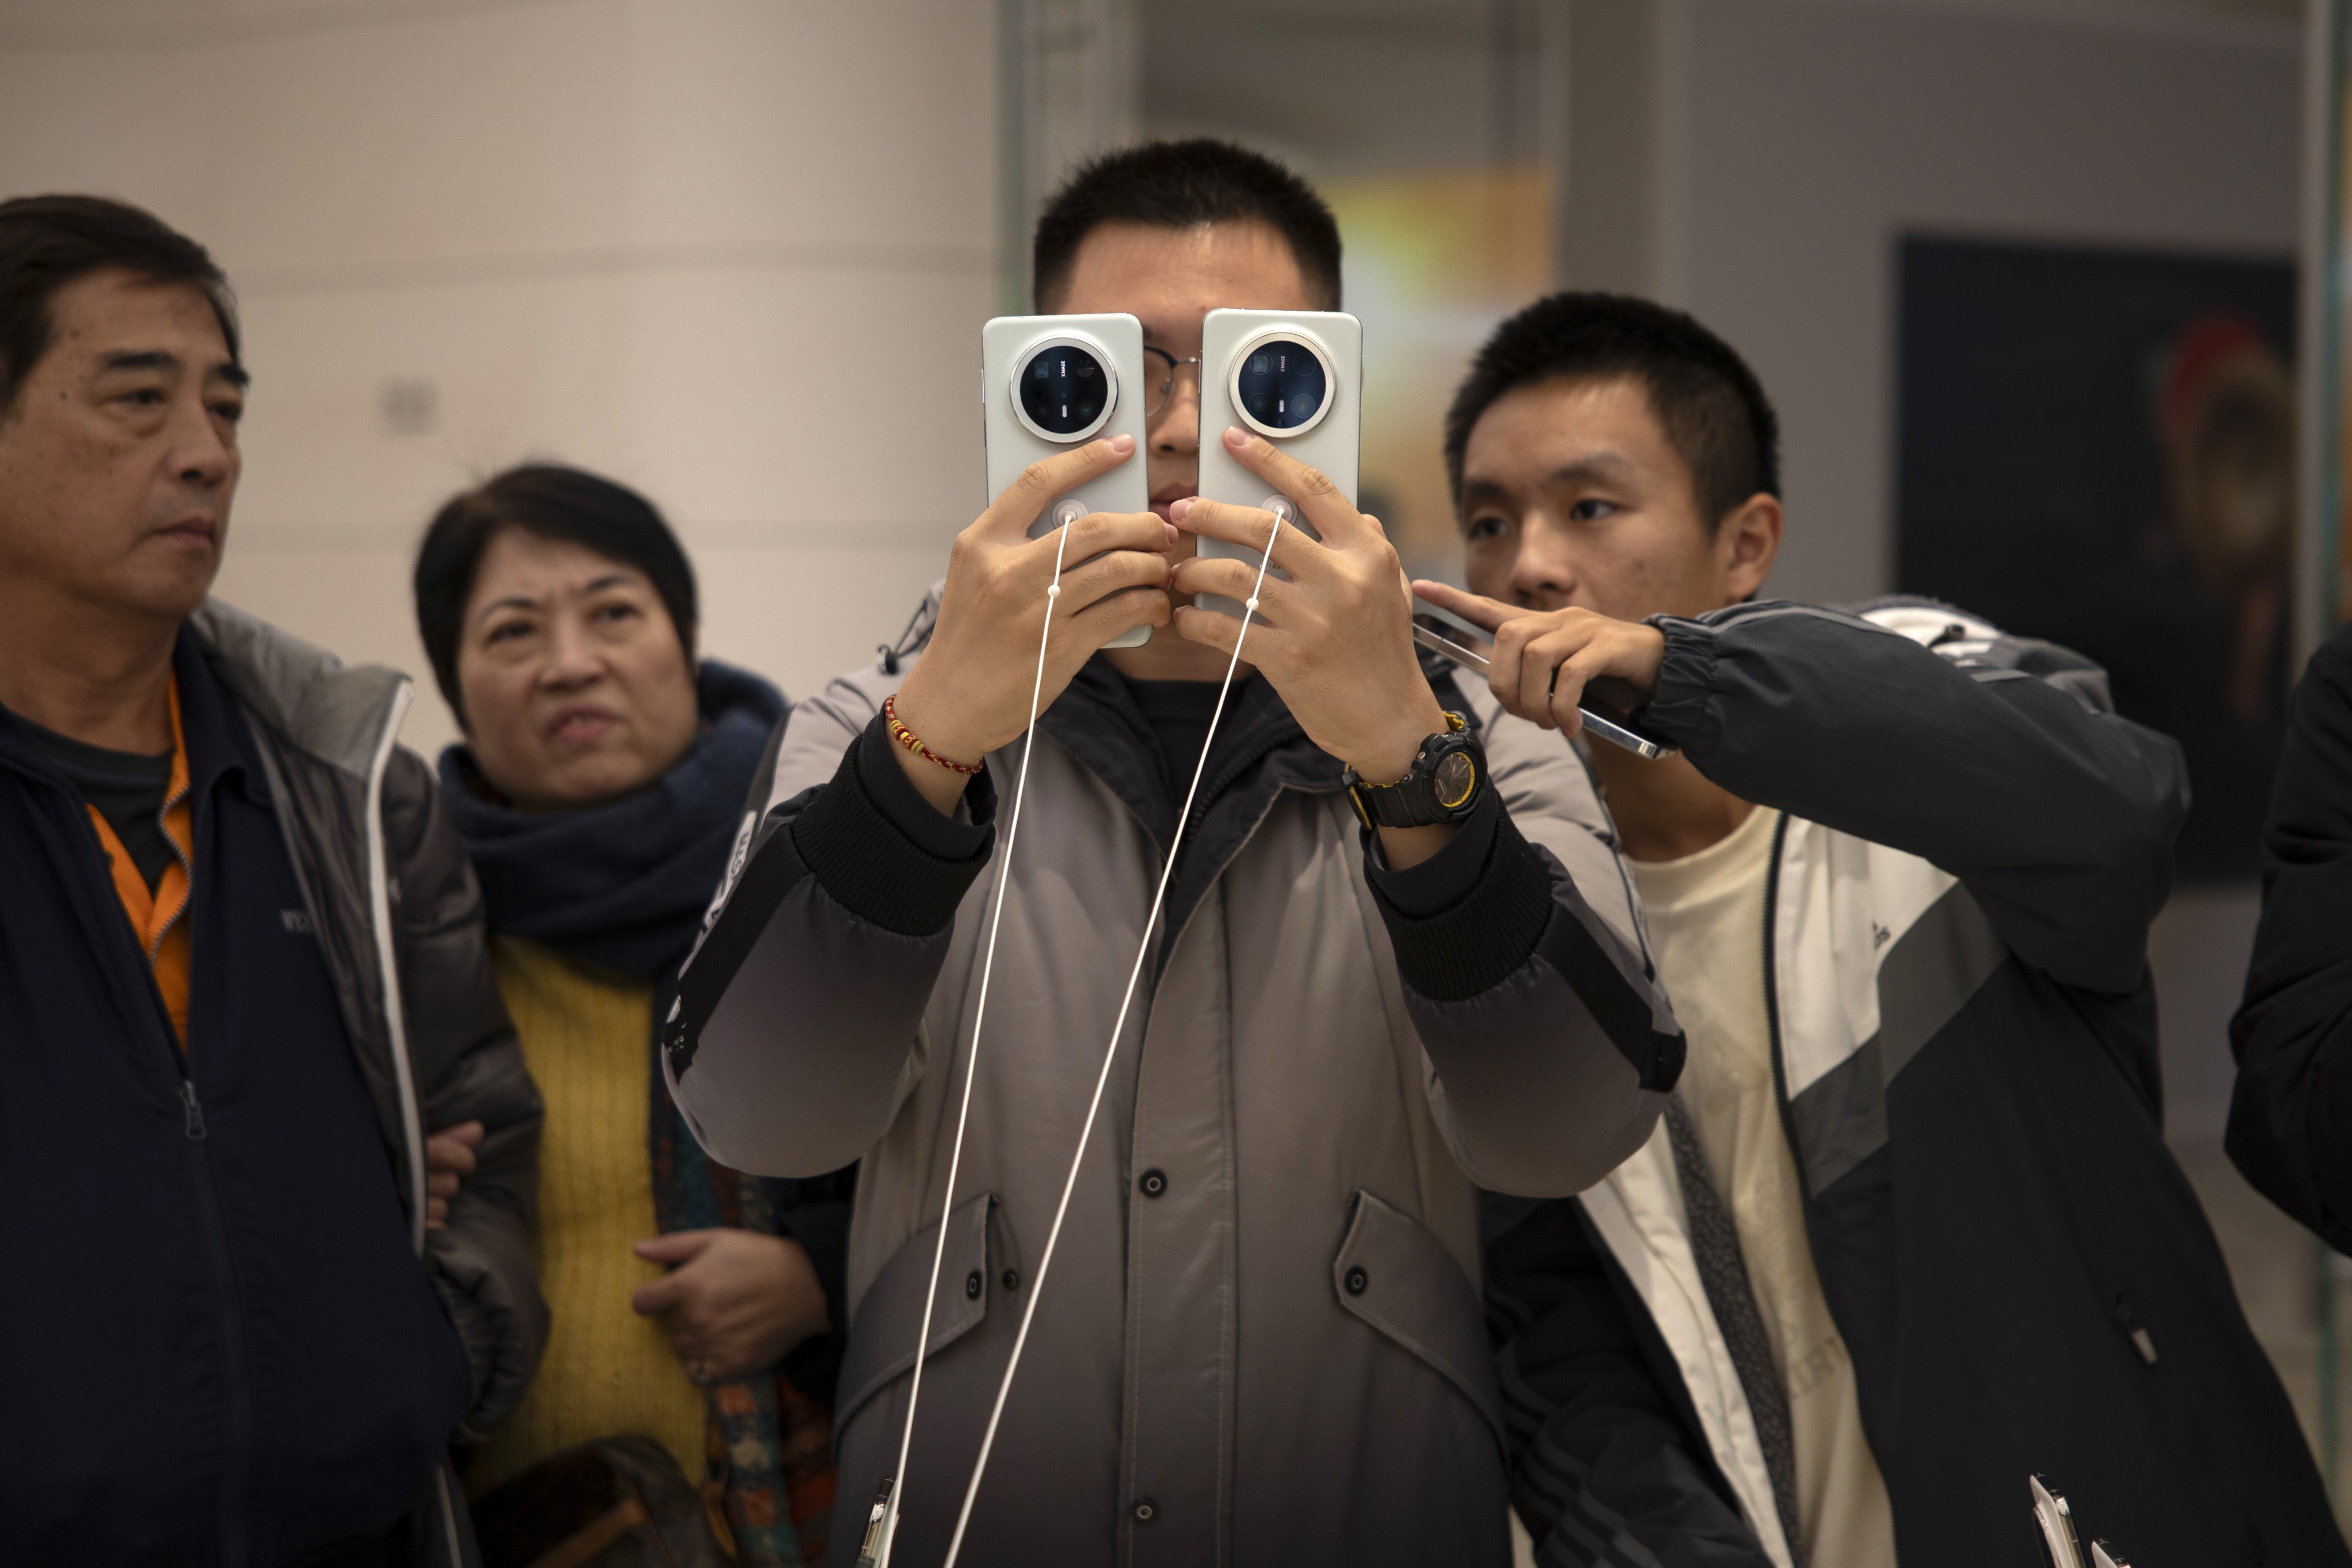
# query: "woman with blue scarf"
(695, 1309)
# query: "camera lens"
(1280, 384)
(1064, 390)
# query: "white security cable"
(1110, 1053)
(890, 1523)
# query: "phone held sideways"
(1051, 383)
(1296, 377)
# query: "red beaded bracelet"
(905, 737)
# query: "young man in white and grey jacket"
(1909, 1233)
(1262, 1342)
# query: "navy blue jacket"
(220, 1347)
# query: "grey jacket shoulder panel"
(317, 703)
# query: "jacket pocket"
(1395, 1276)
(882, 1340)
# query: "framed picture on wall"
(2097, 446)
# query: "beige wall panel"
(761, 407)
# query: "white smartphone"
(1051, 383)
(1296, 377)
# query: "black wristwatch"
(1443, 785)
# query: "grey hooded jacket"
(399, 919)
(1261, 1341)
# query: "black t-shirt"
(1179, 714)
(128, 790)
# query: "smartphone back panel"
(1049, 383)
(1296, 377)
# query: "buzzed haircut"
(568, 505)
(1183, 184)
(1710, 404)
(48, 242)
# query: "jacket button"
(971, 1285)
(1153, 1184)
(1357, 1280)
(1012, 1280)
(1146, 1510)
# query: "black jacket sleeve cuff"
(1483, 937)
(1446, 878)
(885, 853)
(1685, 680)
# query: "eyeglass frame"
(1167, 387)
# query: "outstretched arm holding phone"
(1997, 758)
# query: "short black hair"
(48, 242)
(1712, 407)
(555, 502)
(1182, 184)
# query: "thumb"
(678, 1246)
(654, 1298)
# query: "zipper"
(237, 1460)
(411, 1128)
(236, 1454)
(1780, 1086)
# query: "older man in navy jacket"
(241, 970)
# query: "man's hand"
(1544, 659)
(448, 1160)
(735, 1302)
(970, 693)
(1337, 638)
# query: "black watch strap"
(1443, 784)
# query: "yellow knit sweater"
(607, 1372)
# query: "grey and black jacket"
(1261, 1341)
(398, 916)
(1964, 1042)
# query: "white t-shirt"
(1706, 929)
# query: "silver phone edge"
(1615, 733)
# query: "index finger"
(1488, 615)
(1318, 500)
(1253, 526)
(1008, 516)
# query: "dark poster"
(2096, 447)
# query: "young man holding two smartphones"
(1910, 1232)
(1262, 1342)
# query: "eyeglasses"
(1166, 387)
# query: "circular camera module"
(1282, 386)
(1064, 392)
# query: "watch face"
(1455, 778)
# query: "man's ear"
(1745, 542)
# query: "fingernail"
(1178, 510)
(1122, 444)
(1236, 438)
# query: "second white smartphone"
(1296, 377)
(1051, 383)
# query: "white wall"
(733, 252)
